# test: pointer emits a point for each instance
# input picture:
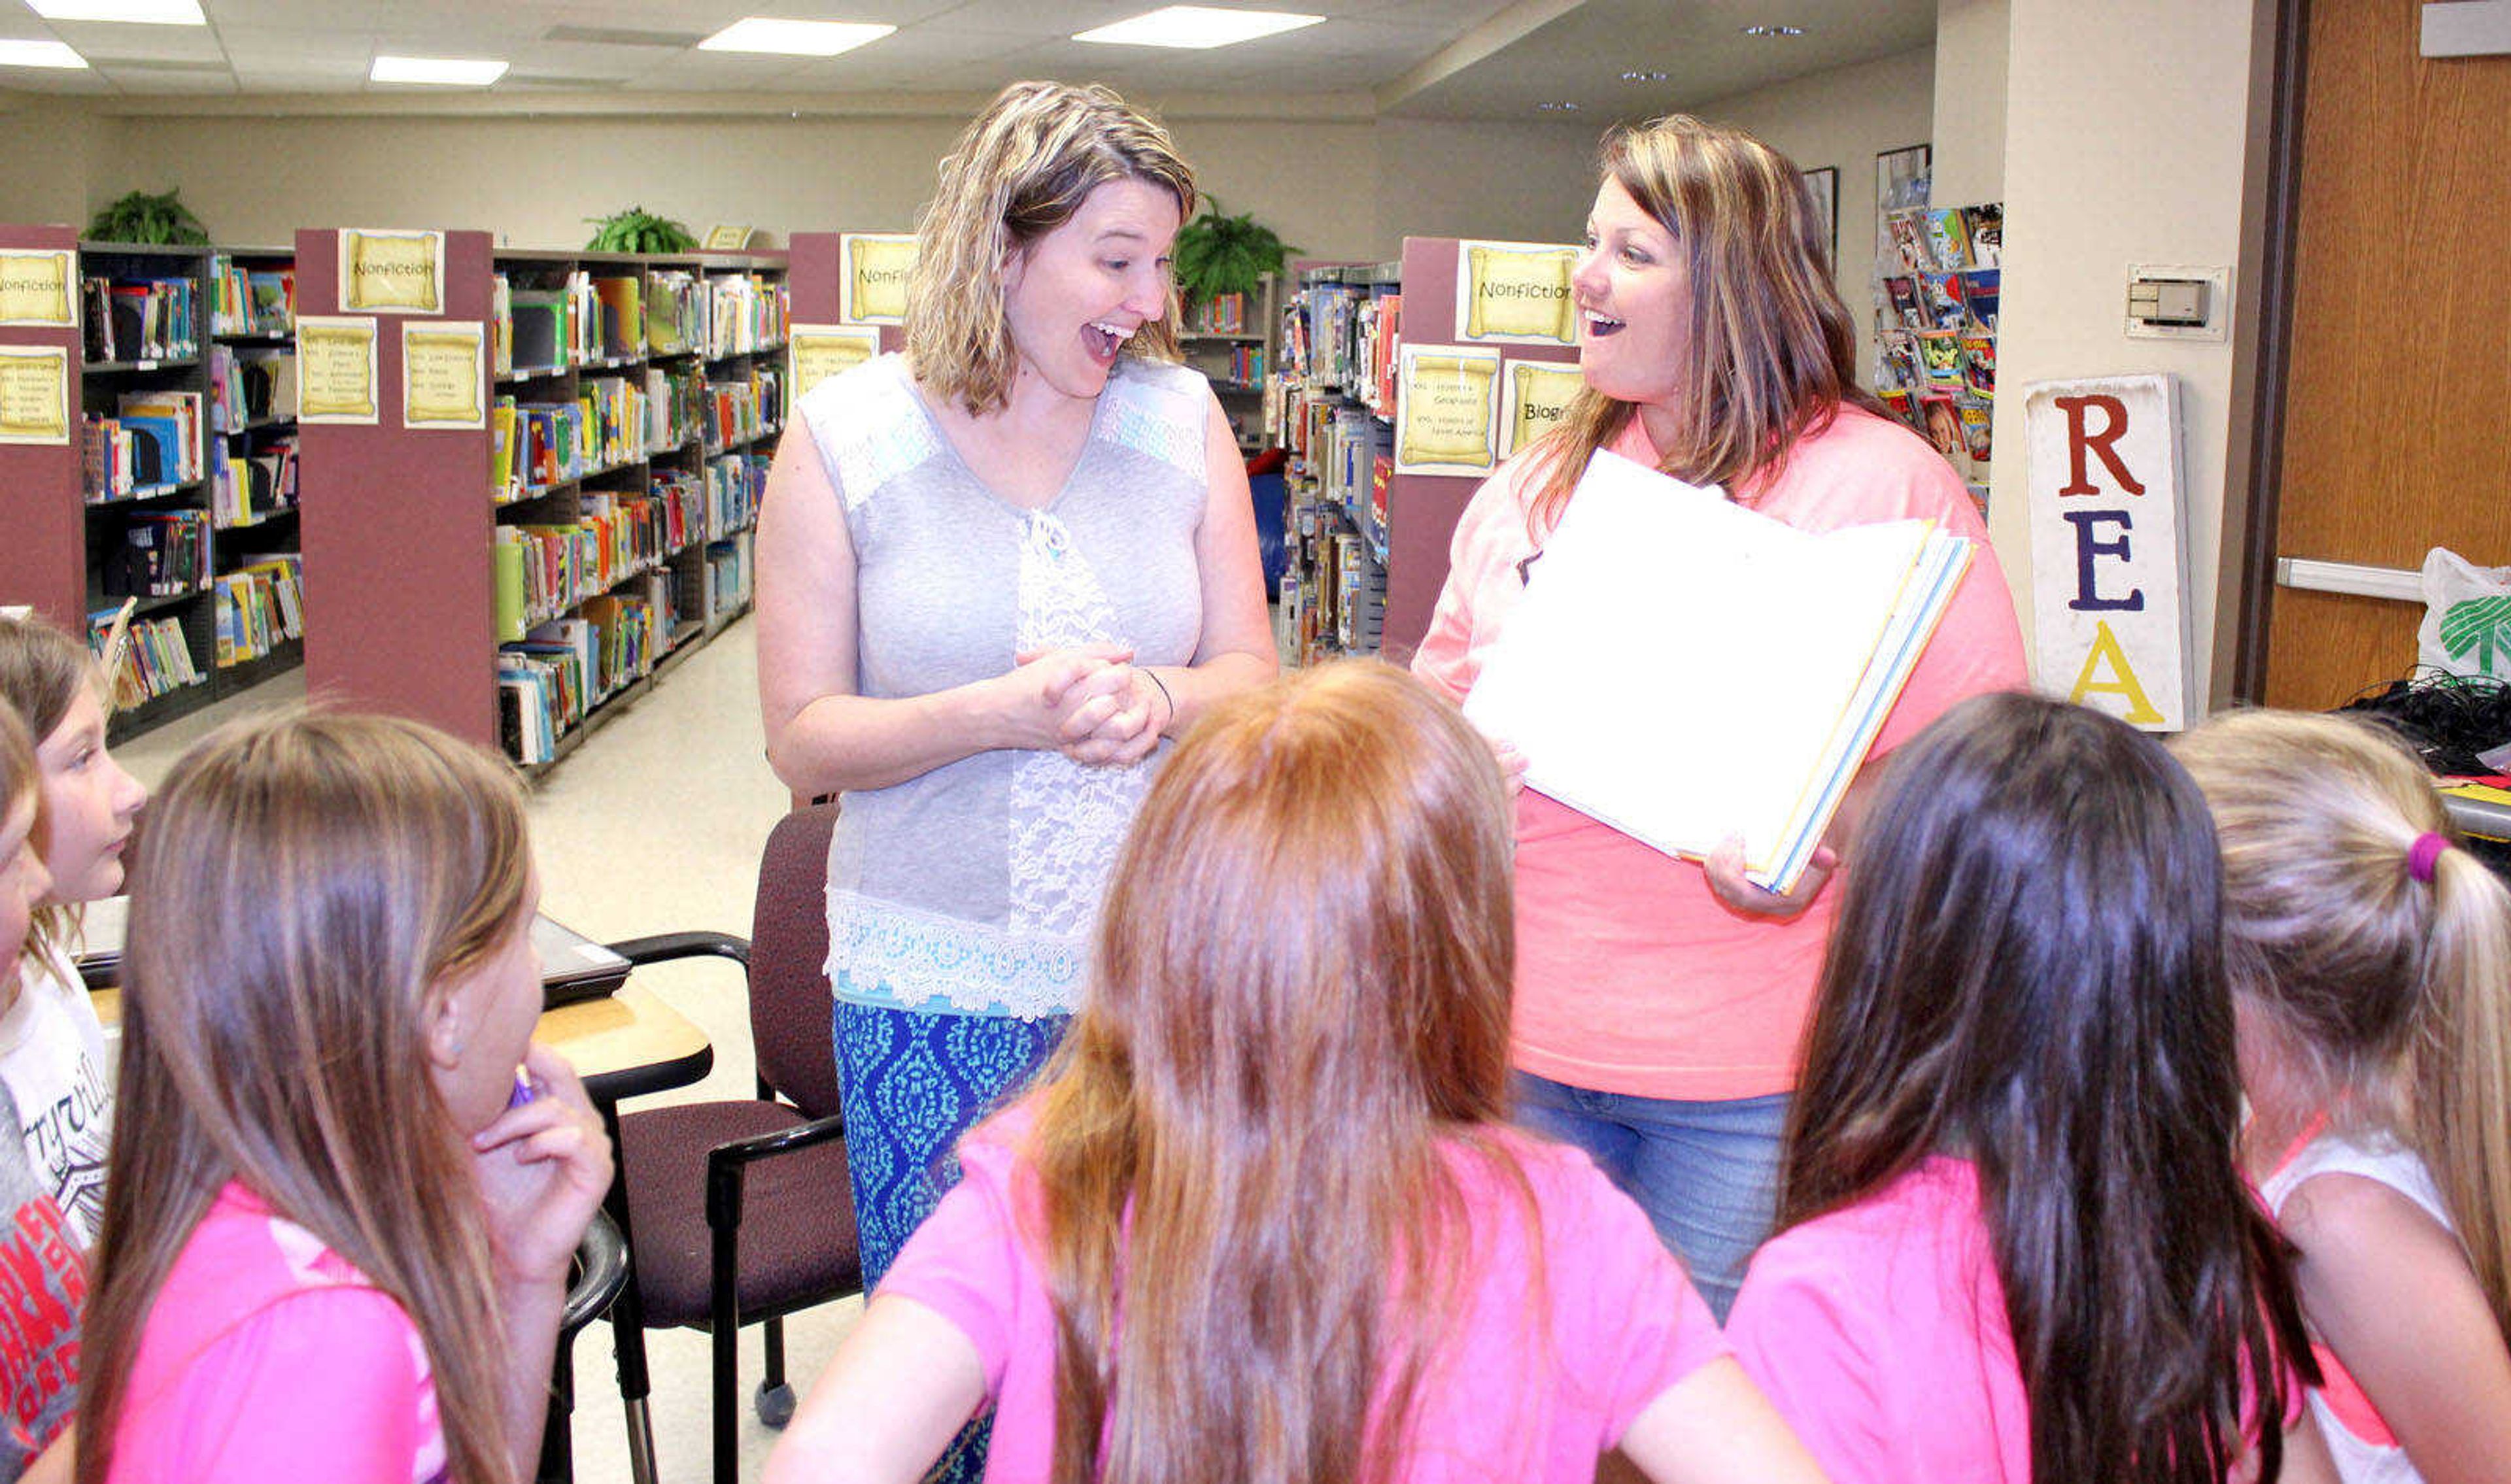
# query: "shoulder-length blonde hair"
(42, 670)
(275, 1034)
(1770, 352)
(1301, 993)
(1021, 169)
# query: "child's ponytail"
(2462, 1063)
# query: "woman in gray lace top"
(993, 574)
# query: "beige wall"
(51, 156)
(2126, 129)
(1336, 189)
(1973, 38)
(1843, 119)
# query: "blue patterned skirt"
(913, 1081)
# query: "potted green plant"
(1218, 254)
(139, 217)
(638, 229)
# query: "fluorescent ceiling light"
(39, 54)
(137, 12)
(793, 38)
(1196, 25)
(448, 71)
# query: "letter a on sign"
(2109, 546)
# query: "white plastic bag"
(2467, 617)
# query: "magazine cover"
(1986, 224)
(1907, 305)
(1975, 423)
(1899, 364)
(1943, 423)
(1979, 366)
(1905, 406)
(1910, 240)
(1979, 296)
(1940, 351)
(1945, 301)
(1948, 239)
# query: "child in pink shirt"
(341, 1217)
(1265, 1218)
(2014, 1242)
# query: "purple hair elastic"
(2425, 854)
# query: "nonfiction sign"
(2109, 546)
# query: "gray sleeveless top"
(974, 887)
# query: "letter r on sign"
(2101, 444)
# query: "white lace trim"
(1152, 413)
(920, 957)
(1066, 820)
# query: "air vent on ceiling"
(551, 80)
(155, 64)
(607, 36)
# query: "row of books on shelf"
(606, 317)
(674, 407)
(260, 606)
(248, 488)
(1224, 313)
(155, 658)
(734, 410)
(1333, 596)
(160, 554)
(1245, 364)
(535, 446)
(140, 318)
(253, 301)
(1349, 458)
(152, 442)
(742, 313)
(255, 387)
(548, 681)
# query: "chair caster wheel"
(775, 1405)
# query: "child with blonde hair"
(2371, 957)
(338, 1234)
(43, 1279)
(53, 1056)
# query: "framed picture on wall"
(1822, 187)
(1900, 185)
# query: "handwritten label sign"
(336, 369)
(35, 289)
(2109, 548)
(35, 394)
(822, 351)
(442, 381)
(727, 237)
(1514, 293)
(873, 267)
(392, 273)
(1447, 401)
(1539, 393)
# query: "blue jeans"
(1705, 1172)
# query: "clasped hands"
(1090, 702)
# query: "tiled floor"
(654, 826)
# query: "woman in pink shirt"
(338, 1232)
(1660, 1002)
(1266, 1220)
(2014, 1242)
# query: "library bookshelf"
(131, 503)
(1230, 340)
(519, 582)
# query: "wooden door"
(2396, 431)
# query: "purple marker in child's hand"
(524, 1093)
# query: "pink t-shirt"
(1496, 1401)
(1631, 975)
(267, 1356)
(1880, 1333)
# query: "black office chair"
(738, 1212)
(601, 1271)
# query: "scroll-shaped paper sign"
(728, 237)
(1446, 402)
(1516, 293)
(336, 369)
(1539, 391)
(822, 351)
(443, 384)
(873, 267)
(35, 394)
(35, 289)
(392, 273)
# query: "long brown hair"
(275, 1035)
(2026, 971)
(42, 670)
(1301, 995)
(1021, 169)
(2395, 993)
(1771, 351)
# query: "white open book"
(1685, 670)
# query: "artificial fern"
(638, 229)
(1218, 254)
(139, 217)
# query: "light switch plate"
(2219, 302)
